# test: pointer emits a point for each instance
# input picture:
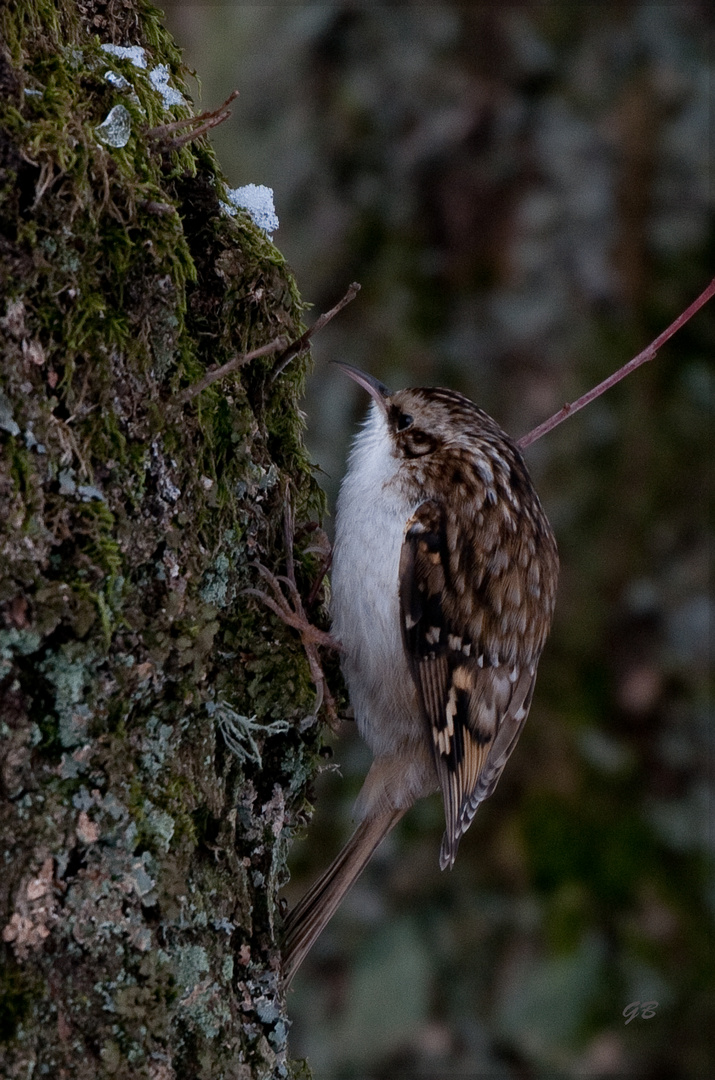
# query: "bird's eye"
(403, 421)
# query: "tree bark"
(154, 745)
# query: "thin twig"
(216, 115)
(289, 536)
(190, 136)
(215, 374)
(300, 343)
(642, 358)
(313, 594)
(278, 344)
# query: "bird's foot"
(288, 607)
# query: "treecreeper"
(443, 588)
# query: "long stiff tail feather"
(311, 915)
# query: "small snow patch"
(159, 79)
(135, 53)
(257, 200)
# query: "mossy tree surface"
(153, 745)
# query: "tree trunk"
(153, 755)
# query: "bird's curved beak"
(377, 390)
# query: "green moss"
(16, 997)
(21, 470)
(127, 545)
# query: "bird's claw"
(290, 610)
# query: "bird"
(444, 577)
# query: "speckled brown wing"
(474, 704)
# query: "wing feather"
(474, 707)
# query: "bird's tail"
(310, 917)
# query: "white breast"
(369, 530)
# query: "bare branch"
(300, 343)
(215, 374)
(278, 344)
(201, 124)
(642, 358)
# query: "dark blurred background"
(524, 192)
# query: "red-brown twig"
(641, 358)
(300, 343)
(313, 594)
(278, 344)
(220, 372)
(201, 124)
